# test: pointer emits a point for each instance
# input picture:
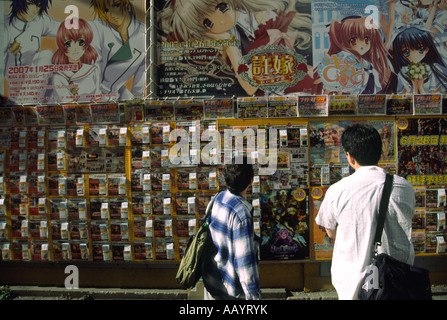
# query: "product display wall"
(131, 181)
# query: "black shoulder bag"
(387, 278)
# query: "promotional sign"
(322, 245)
(81, 51)
(379, 46)
(236, 47)
(421, 144)
(285, 225)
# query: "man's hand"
(331, 233)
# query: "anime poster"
(285, 224)
(324, 141)
(349, 57)
(379, 46)
(322, 245)
(422, 149)
(52, 57)
(236, 47)
(415, 39)
(387, 133)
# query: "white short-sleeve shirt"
(351, 206)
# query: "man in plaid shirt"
(231, 271)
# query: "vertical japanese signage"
(422, 150)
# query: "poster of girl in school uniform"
(118, 35)
(81, 82)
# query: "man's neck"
(356, 166)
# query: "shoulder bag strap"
(382, 210)
(209, 208)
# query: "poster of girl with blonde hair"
(230, 46)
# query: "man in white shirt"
(350, 208)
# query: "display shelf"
(73, 205)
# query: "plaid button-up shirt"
(233, 273)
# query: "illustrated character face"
(283, 234)
(75, 49)
(362, 46)
(32, 10)
(222, 19)
(114, 13)
(415, 55)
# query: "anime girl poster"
(415, 38)
(81, 51)
(324, 141)
(349, 53)
(236, 47)
(317, 145)
(387, 133)
(285, 224)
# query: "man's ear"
(348, 156)
(351, 160)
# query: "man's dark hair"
(18, 6)
(238, 176)
(363, 143)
